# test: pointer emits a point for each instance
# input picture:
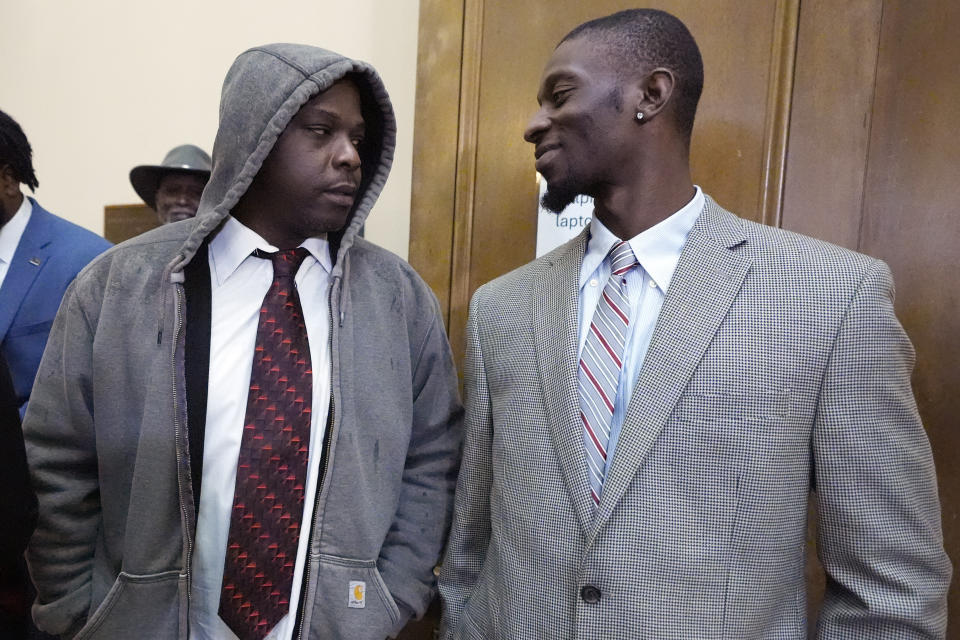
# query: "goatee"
(558, 198)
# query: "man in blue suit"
(39, 256)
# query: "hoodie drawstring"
(343, 280)
(173, 275)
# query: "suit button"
(590, 594)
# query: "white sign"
(553, 229)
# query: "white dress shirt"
(239, 282)
(10, 235)
(658, 251)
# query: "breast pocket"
(741, 428)
(18, 331)
(23, 347)
(691, 480)
(765, 447)
(733, 407)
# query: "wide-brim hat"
(187, 158)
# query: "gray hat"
(186, 158)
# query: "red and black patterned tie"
(272, 466)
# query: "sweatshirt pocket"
(352, 600)
(135, 603)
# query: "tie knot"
(285, 263)
(622, 258)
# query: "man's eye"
(357, 142)
(321, 131)
(559, 97)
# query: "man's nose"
(536, 126)
(347, 155)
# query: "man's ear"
(655, 90)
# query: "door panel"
(518, 38)
(910, 220)
(830, 118)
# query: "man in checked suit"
(640, 446)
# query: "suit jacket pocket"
(23, 347)
(352, 601)
(136, 604)
(741, 428)
(683, 510)
(28, 329)
(766, 445)
(736, 408)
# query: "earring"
(639, 116)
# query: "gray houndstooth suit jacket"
(776, 366)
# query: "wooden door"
(474, 196)
(832, 119)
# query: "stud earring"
(639, 116)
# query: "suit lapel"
(28, 260)
(707, 279)
(555, 297)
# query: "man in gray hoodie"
(247, 424)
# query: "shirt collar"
(657, 248)
(11, 232)
(236, 241)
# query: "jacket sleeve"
(880, 539)
(470, 534)
(415, 540)
(61, 450)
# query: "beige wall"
(102, 85)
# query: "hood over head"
(264, 88)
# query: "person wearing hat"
(173, 187)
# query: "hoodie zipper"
(305, 588)
(179, 440)
(321, 476)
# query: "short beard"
(558, 198)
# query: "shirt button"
(653, 285)
(590, 594)
(594, 282)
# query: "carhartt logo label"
(358, 592)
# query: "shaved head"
(638, 40)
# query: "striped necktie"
(600, 364)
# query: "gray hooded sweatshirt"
(107, 427)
